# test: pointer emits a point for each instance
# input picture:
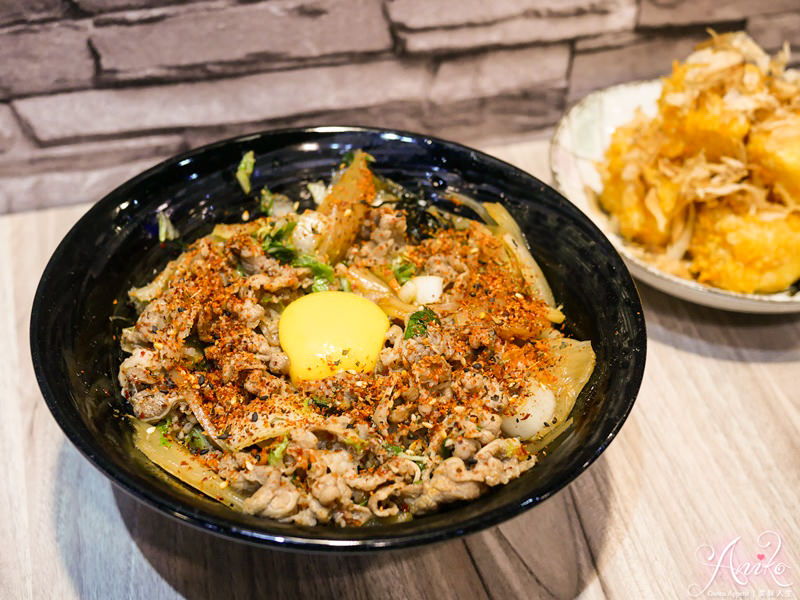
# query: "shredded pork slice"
(275, 499)
(141, 368)
(152, 404)
(441, 488)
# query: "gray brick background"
(94, 91)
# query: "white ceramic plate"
(580, 139)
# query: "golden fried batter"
(710, 187)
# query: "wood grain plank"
(198, 565)
(15, 565)
(531, 156)
(690, 468)
(543, 553)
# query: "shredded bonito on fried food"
(723, 152)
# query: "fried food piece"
(710, 186)
(745, 252)
(629, 179)
(774, 150)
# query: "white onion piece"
(306, 235)
(282, 206)
(537, 408)
(318, 190)
(424, 289)
(408, 291)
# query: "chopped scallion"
(163, 428)
(267, 201)
(166, 230)
(403, 269)
(395, 449)
(323, 273)
(418, 323)
(276, 454)
(197, 442)
(245, 170)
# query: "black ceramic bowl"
(80, 307)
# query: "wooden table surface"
(708, 462)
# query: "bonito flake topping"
(710, 187)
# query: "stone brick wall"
(93, 91)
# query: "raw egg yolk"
(327, 332)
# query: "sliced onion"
(530, 269)
(478, 207)
(370, 286)
(573, 365)
(364, 280)
(508, 230)
(653, 205)
(178, 461)
(395, 308)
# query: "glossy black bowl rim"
(81, 437)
